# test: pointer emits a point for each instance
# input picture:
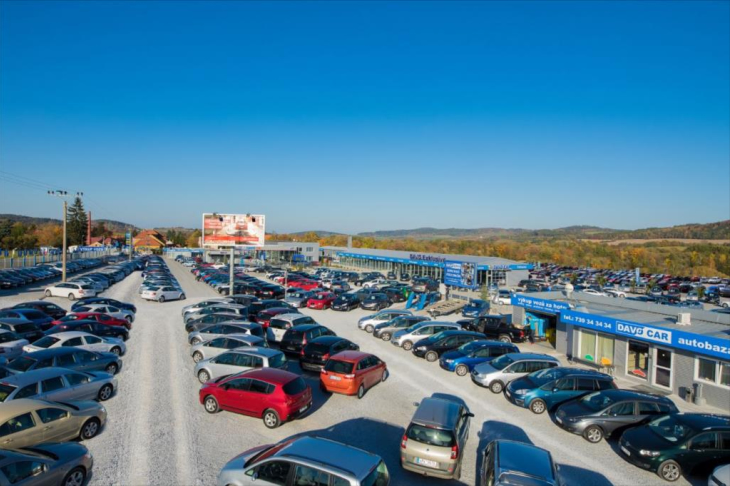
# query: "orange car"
(352, 373)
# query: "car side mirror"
(555, 389)
(469, 414)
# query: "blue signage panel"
(460, 274)
(687, 341)
(544, 305)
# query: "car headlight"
(421, 348)
(645, 452)
(520, 392)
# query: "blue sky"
(374, 115)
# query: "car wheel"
(75, 477)
(369, 328)
(90, 428)
(106, 392)
(504, 338)
(182, 296)
(669, 471)
(196, 341)
(538, 406)
(361, 391)
(407, 345)
(593, 434)
(385, 336)
(71, 296)
(203, 376)
(117, 350)
(47, 293)
(211, 404)
(497, 387)
(161, 299)
(112, 368)
(462, 370)
(197, 357)
(271, 419)
(386, 374)
(431, 356)
(129, 319)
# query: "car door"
(258, 397)
(701, 452)
(618, 417)
(81, 386)
(93, 343)
(238, 395)
(563, 389)
(55, 389)
(89, 361)
(309, 476)
(224, 364)
(271, 473)
(57, 424)
(21, 431)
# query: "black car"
(404, 277)
(21, 327)
(497, 328)
(391, 276)
(395, 294)
(375, 302)
(610, 412)
(296, 338)
(255, 307)
(48, 308)
(346, 302)
(91, 327)
(105, 301)
(434, 346)
(270, 291)
(318, 351)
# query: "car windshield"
(30, 327)
(46, 342)
(597, 401)
(277, 361)
(544, 376)
(377, 477)
(431, 436)
(502, 362)
(295, 387)
(670, 428)
(341, 367)
(469, 348)
(5, 391)
(21, 364)
(7, 337)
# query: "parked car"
(316, 352)
(497, 373)
(303, 458)
(26, 422)
(610, 412)
(58, 384)
(214, 347)
(236, 311)
(265, 316)
(70, 290)
(507, 462)
(375, 302)
(346, 302)
(78, 339)
(224, 328)
(192, 308)
(298, 298)
(465, 358)
(385, 330)
(424, 284)
(406, 337)
(48, 308)
(67, 464)
(69, 357)
(434, 346)
(369, 322)
(109, 310)
(210, 319)
(322, 300)
(545, 389)
(22, 327)
(103, 300)
(238, 360)
(40, 319)
(352, 373)
(503, 297)
(498, 328)
(435, 440)
(283, 322)
(94, 316)
(679, 443)
(11, 345)
(475, 308)
(297, 337)
(92, 327)
(163, 293)
(275, 395)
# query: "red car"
(304, 284)
(322, 300)
(265, 315)
(94, 316)
(272, 394)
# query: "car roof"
(326, 339)
(257, 351)
(525, 458)
(437, 412)
(271, 375)
(290, 316)
(491, 344)
(305, 327)
(14, 408)
(523, 356)
(623, 394)
(459, 332)
(33, 376)
(51, 352)
(340, 456)
(570, 371)
(350, 356)
(245, 337)
(704, 421)
(70, 334)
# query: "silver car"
(238, 360)
(368, 323)
(214, 347)
(78, 339)
(58, 384)
(200, 305)
(278, 325)
(406, 337)
(67, 464)
(233, 309)
(109, 310)
(223, 328)
(298, 298)
(11, 345)
(497, 373)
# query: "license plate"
(303, 408)
(625, 451)
(335, 378)
(426, 462)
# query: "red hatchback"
(94, 316)
(272, 394)
(352, 373)
(304, 284)
(322, 300)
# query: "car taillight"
(325, 357)
(349, 377)
(522, 334)
(404, 441)
(455, 452)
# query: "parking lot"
(158, 433)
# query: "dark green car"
(679, 443)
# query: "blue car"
(462, 360)
(545, 389)
(475, 308)
(40, 319)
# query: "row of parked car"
(158, 283)
(18, 277)
(92, 283)
(56, 369)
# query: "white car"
(594, 292)
(196, 307)
(70, 290)
(615, 293)
(109, 310)
(11, 345)
(161, 294)
(720, 476)
(214, 347)
(78, 339)
(503, 297)
(374, 283)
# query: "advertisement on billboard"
(460, 274)
(233, 229)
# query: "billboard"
(233, 229)
(460, 274)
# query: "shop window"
(596, 347)
(712, 371)
(588, 346)
(638, 360)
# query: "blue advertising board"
(687, 341)
(543, 305)
(460, 274)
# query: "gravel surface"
(159, 434)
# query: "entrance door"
(662, 367)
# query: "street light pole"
(230, 288)
(63, 195)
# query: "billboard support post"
(231, 263)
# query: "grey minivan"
(58, 384)
(496, 374)
(238, 360)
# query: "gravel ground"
(159, 434)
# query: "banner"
(544, 305)
(460, 274)
(233, 229)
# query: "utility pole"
(230, 263)
(63, 195)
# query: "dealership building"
(488, 269)
(274, 253)
(663, 349)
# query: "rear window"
(34, 314)
(46, 342)
(431, 436)
(294, 334)
(317, 347)
(379, 476)
(295, 387)
(7, 337)
(5, 391)
(277, 361)
(25, 327)
(342, 367)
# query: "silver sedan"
(238, 360)
(214, 347)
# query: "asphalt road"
(159, 434)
